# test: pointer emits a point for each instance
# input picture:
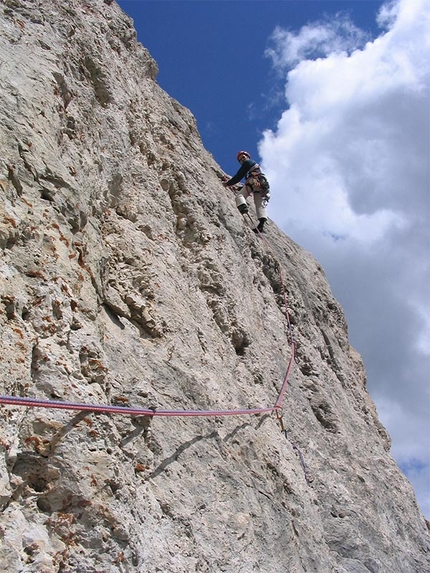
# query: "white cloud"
(319, 39)
(349, 171)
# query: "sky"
(333, 99)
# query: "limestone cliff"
(128, 277)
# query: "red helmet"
(242, 154)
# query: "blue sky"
(211, 57)
(332, 98)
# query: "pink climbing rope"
(278, 404)
(108, 409)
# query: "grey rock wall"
(128, 277)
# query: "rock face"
(128, 277)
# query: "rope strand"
(109, 409)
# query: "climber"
(256, 184)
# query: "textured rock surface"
(128, 277)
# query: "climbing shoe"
(260, 227)
(243, 208)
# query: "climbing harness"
(257, 181)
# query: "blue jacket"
(243, 170)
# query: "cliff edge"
(127, 277)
